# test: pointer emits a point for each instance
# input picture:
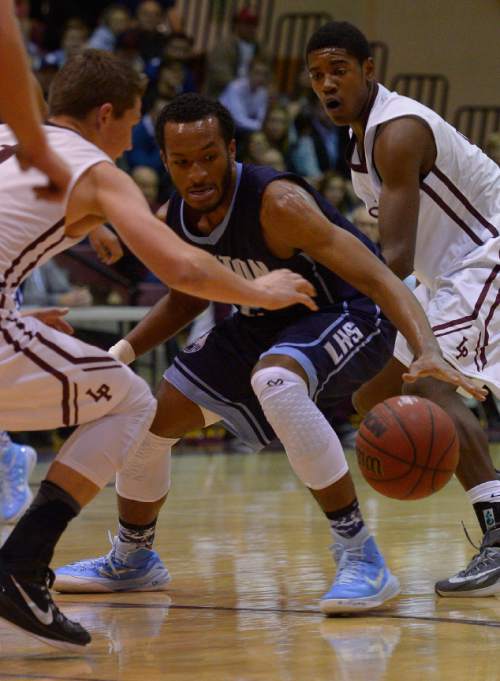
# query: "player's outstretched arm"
(116, 198)
(165, 319)
(20, 110)
(290, 214)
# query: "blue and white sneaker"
(362, 582)
(16, 464)
(139, 570)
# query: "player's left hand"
(52, 316)
(106, 244)
(436, 366)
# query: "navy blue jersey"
(238, 242)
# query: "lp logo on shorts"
(344, 340)
(102, 393)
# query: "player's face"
(200, 162)
(116, 133)
(340, 82)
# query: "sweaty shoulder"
(285, 196)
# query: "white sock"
(486, 491)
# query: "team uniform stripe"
(447, 209)
(75, 404)
(446, 333)
(464, 201)
(477, 307)
(112, 366)
(482, 352)
(65, 407)
(244, 411)
(31, 246)
(35, 262)
(63, 353)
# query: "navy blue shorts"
(339, 348)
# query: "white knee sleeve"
(312, 446)
(99, 448)
(146, 475)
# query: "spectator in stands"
(232, 56)
(178, 47)
(150, 29)
(276, 128)
(50, 285)
(171, 16)
(45, 74)
(115, 20)
(335, 189)
(492, 147)
(73, 40)
(301, 95)
(148, 181)
(127, 48)
(303, 157)
(247, 98)
(170, 78)
(256, 144)
(321, 145)
(274, 158)
(144, 150)
(168, 84)
(23, 8)
(366, 223)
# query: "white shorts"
(49, 379)
(463, 311)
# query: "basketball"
(407, 447)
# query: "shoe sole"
(335, 606)
(492, 590)
(32, 457)
(53, 643)
(66, 584)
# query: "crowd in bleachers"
(287, 132)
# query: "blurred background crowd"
(287, 132)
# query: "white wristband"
(122, 351)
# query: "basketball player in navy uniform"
(265, 374)
(49, 379)
(437, 198)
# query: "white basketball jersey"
(31, 230)
(459, 198)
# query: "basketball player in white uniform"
(437, 198)
(49, 379)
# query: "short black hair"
(190, 107)
(340, 34)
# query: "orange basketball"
(407, 447)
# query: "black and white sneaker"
(29, 606)
(481, 577)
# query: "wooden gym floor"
(247, 550)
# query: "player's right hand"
(281, 288)
(50, 164)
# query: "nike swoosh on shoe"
(479, 577)
(377, 582)
(44, 617)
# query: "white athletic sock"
(486, 491)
